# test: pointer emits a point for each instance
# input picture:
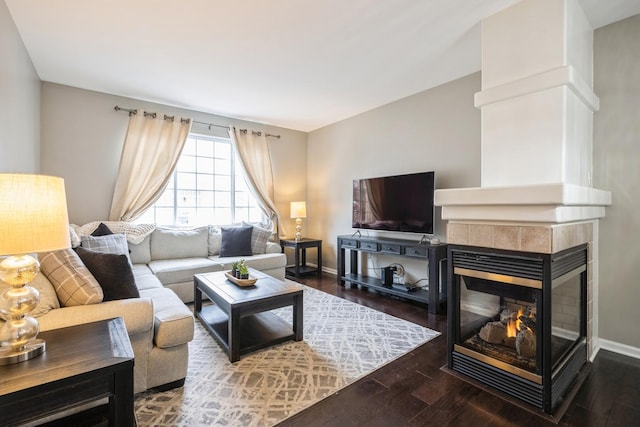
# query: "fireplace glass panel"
(498, 321)
(565, 316)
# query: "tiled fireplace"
(517, 320)
(524, 246)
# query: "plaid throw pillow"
(107, 244)
(259, 238)
(73, 282)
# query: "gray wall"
(617, 169)
(438, 129)
(19, 102)
(82, 138)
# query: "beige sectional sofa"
(159, 324)
(160, 328)
(175, 255)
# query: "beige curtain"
(151, 150)
(253, 149)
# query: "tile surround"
(550, 238)
(480, 234)
(506, 237)
(458, 233)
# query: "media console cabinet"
(436, 255)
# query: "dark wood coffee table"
(240, 319)
(82, 364)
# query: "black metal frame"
(535, 266)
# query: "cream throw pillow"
(215, 240)
(48, 298)
(73, 282)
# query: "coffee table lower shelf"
(257, 331)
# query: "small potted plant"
(244, 271)
(235, 269)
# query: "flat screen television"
(395, 203)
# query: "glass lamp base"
(32, 349)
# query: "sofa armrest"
(137, 314)
(273, 248)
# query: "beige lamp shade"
(298, 210)
(33, 214)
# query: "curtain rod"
(134, 111)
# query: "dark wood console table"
(82, 364)
(436, 255)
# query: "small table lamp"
(298, 211)
(33, 218)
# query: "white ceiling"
(299, 64)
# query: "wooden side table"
(82, 364)
(300, 247)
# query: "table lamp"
(33, 218)
(298, 210)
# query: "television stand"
(434, 296)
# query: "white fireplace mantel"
(541, 203)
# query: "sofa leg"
(169, 386)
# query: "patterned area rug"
(343, 342)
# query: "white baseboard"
(330, 270)
(617, 347)
(324, 269)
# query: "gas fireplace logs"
(513, 330)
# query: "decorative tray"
(241, 282)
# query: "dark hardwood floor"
(414, 391)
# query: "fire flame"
(513, 326)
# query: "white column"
(536, 100)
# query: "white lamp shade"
(298, 210)
(33, 214)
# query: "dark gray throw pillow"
(236, 241)
(102, 230)
(113, 273)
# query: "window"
(207, 187)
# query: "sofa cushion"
(73, 282)
(140, 253)
(236, 241)
(107, 244)
(259, 262)
(173, 323)
(181, 270)
(136, 312)
(113, 272)
(145, 279)
(170, 243)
